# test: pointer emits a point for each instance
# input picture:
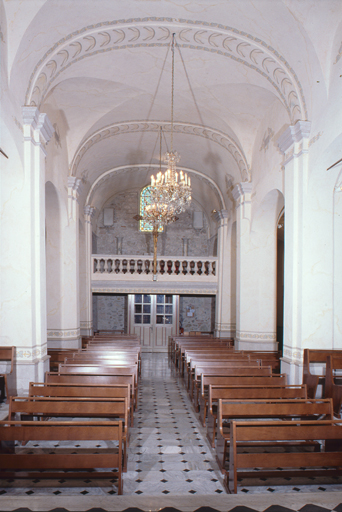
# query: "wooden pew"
(243, 392)
(95, 379)
(35, 408)
(6, 355)
(321, 463)
(83, 390)
(312, 356)
(98, 369)
(58, 356)
(24, 465)
(199, 385)
(263, 409)
(333, 382)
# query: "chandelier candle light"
(171, 190)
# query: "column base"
(258, 341)
(225, 330)
(87, 329)
(64, 338)
(293, 370)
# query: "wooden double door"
(153, 317)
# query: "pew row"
(243, 392)
(266, 409)
(15, 463)
(298, 460)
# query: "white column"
(87, 303)
(225, 312)
(255, 279)
(31, 353)
(294, 145)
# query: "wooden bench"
(199, 385)
(333, 382)
(35, 408)
(6, 355)
(68, 465)
(243, 392)
(83, 390)
(262, 409)
(311, 357)
(289, 464)
(95, 379)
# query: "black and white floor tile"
(170, 465)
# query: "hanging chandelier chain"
(172, 86)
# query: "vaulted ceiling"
(103, 68)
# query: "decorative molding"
(293, 354)
(63, 334)
(266, 140)
(86, 324)
(228, 42)
(315, 138)
(30, 354)
(126, 169)
(249, 335)
(197, 130)
(163, 288)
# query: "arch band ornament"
(243, 48)
(154, 126)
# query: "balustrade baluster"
(132, 266)
(199, 268)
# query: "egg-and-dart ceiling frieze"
(154, 126)
(133, 169)
(226, 41)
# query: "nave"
(170, 464)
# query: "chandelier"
(171, 190)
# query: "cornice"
(228, 42)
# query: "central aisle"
(168, 452)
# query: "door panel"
(154, 318)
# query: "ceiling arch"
(103, 185)
(243, 48)
(215, 136)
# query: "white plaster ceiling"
(98, 63)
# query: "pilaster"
(31, 354)
(224, 322)
(253, 330)
(87, 309)
(294, 144)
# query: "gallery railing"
(106, 268)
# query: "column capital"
(294, 133)
(89, 212)
(242, 191)
(38, 123)
(74, 185)
(220, 215)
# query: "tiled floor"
(170, 464)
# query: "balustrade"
(125, 267)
